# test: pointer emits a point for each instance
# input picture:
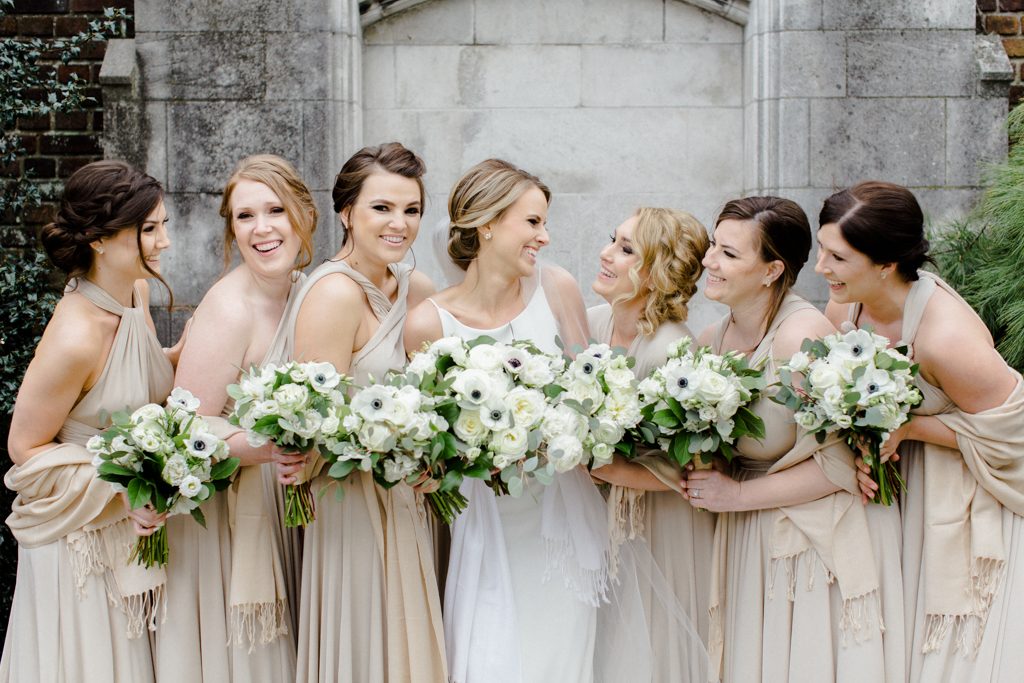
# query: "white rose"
(623, 408)
(95, 444)
(449, 346)
(537, 372)
(305, 425)
(175, 470)
(511, 443)
(608, 432)
(485, 357)
(799, 362)
(291, 397)
(148, 413)
(147, 441)
(565, 452)
(408, 402)
(602, 454)
(190, 486)
(808, 420)
(649, 388)
(714, 387)
(730, 403)
(299, 372)
(330, 425)
(376, 436)
(470, 428)
(527, 406)
(183, 399)
(352, 422)
(323, 377)
(561, 419)
(586, 391)
(422, 363)
(823, 376)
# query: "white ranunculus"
(305, 425)
(608, 431)
(485, 357)
(148, 413)
(422, 363)
(602, 454)
(175, 470)
(399, 467)
(561, 419)
(622, 407)
(331, 424)
(649, 388)
(537, 372)
(472, 453)
(190, 486)
(823, 376)
(375, 403)
(96, 444)
(470, 428)
(323, 377)
(183, 399)
(618, 375)
(833, 397)
(565, 452)
(202, 445)
(510, 443)
(799, 362)
(299, 372)
(147, 441)
(291, 397)
(377, 436)
(527, 406)
(475, 387)
(585, 391)
(449, 346)
(681, 380)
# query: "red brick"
(11, 170)
(987, 5)
(64, 72)
(1003, 24)
(1016, 94)
(40, 6)
(74, 120)
(99, 5)
(35, 26)
(69, 26)
(39, 215)
(68, 165)
(8, 26)
(1011, 5)
(94, 50)
(95, 95)
(41, 167)
(29, 143)
(1014, 46)
(41, 122)
(69, 144)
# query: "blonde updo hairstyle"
(284, 181)
(479, 199)
(670, 245)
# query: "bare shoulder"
(804, 324)
(949, 329)
(420, 287)
(837, 313)
(334, 289)
(223, 308)
(707, 335)
(559, 276)
(78, 332)
(422, 325)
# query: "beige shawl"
(58, 494)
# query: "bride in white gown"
(530, 593)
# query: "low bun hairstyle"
(783, 234)
(480, 198)
(883, 221)
(99, 200)
(390, 157)
(670, 245)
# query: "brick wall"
(58, 144)
(1005, 18)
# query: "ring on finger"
(696, 493)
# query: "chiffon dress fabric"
(530, 594)
(207, 637)
(783, 616)
(369, 609)
(954, 511)
(679, 536)
(76, 615)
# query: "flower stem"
(447, 504)
(152, 550)
(298, 505)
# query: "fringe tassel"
(589, 585)
(266, 617)
(87, 554)
(968, 629)
(142, 610)
(626, 512)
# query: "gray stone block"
(679, 75)
(913, 63)
(802, 15)
(793, 145)
(120, 65)
(196, 231)
(685, 23)
(569, 21)
(440, 22)
(993, 63)
(297, 66)
(156, 148)
(239, 16)
(811, 63)
(206, 140)
(899, 140)
(519, 76)
(201, 66)
(875, 14)
(975, 136)
(425, 77)
(379, 77)
(944, 205)
(317, 144)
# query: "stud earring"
(99, 250)
(883, 275)
(487, 236)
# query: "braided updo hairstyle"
(100, 200)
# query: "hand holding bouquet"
(287, 404)
(855, 384)
(697, 403)
(164, 457)
(593, 408)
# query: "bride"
(530, 593)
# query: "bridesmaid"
(804, 581)
(235, 581)
(369, 608)
(648, 273)
(963, 563)
(80, 610)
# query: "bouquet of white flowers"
(697, 403)
(854, 383)
(165, 457)
(594, 405)
(394, 431)
(493, 397)
(288, 404)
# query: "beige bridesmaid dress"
(680, 538)
(963, 532)
(232, 586)
(783, 618)
(80, 610)
(369, 609)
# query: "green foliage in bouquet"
(981, 257)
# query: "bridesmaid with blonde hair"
(806, 583)
(963, 508)
(369, 608)
(236, 581)
(82, 609)
(649, 272)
